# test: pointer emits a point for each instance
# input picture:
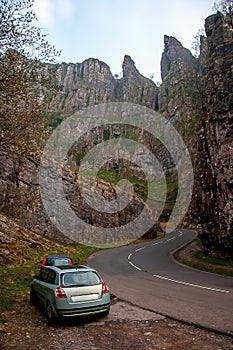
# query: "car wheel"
(105, 313)
(49, 313)
(33, 299)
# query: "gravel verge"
(127, 327)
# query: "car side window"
(51, 277)
(43, 275)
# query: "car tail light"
(70, 262)
(105, 289)
(43, 262)
(59, 293)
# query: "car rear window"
(57, 261)
(80, 278)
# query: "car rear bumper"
(74, 312)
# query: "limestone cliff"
(136, 88)
(214, 166)
(196, 95)
(78, 86)
(179, 92)
(21, 199)
(91, 82)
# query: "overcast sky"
(109, 29)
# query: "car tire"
(33, 299)
(50, 314)
(105, 313)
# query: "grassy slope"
(193, 256)
(141, 189)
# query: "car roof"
(68, 268)
(57, 256)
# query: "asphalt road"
(146, 275)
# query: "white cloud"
(66, 9)
(52, 12)
(44, 10)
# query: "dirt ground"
(127, 327)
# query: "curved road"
(146, 274)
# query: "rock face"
(175, 54)
(91, 82)
(179, 92)
(22, 200)
(214, 169)
(196, 95)
(78, 86)
(136, 88)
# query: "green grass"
(14, 284)
(141, 188)
(210, 264)
(199, 255)
(201, 264)
(109, 176)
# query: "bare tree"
(197, 42)
(224, 6)
(21, 47)
(18, 32)
(21, 124)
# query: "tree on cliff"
(224, 6)
(196, 44)
(22, 45)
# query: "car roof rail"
(70, 267)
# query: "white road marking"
(169, 239)
(160, 242)
(191, 284)
(170, 279)
(138, 268)
(138, 250)
(180, 282)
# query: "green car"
(70, 291)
